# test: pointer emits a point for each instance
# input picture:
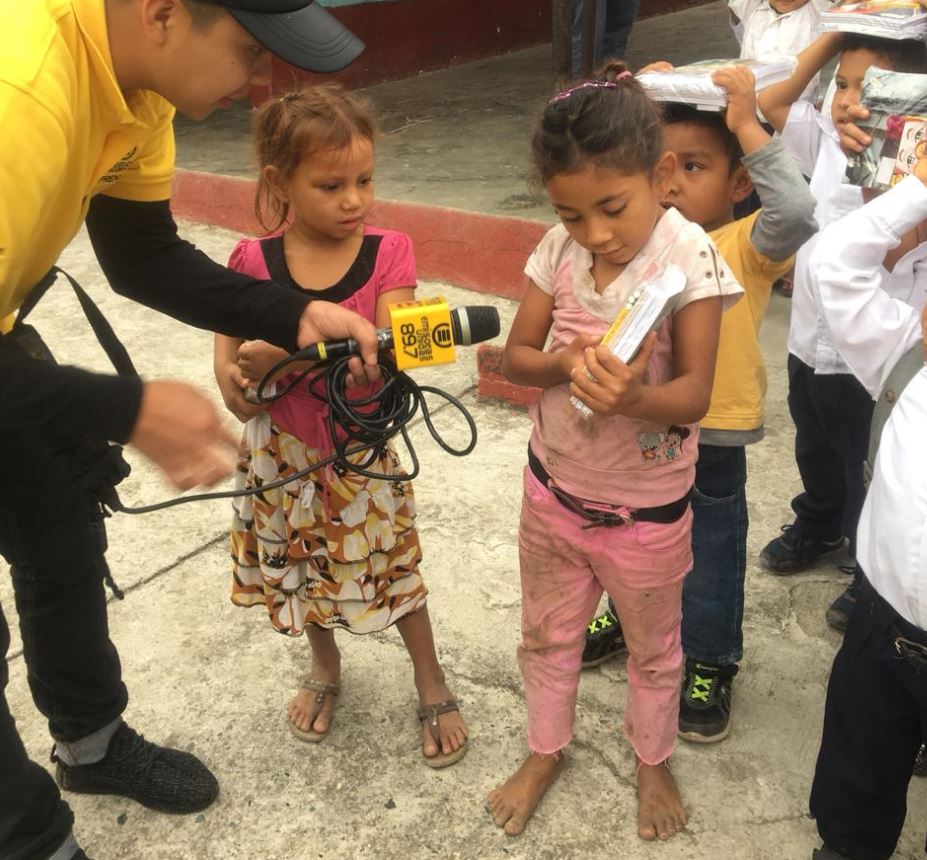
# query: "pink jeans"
(564, 569)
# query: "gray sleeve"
(786, 221)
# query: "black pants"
(831, 415)
(51, 535)
(873, 725)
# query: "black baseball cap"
(298, 31)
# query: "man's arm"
(870, 329)
(145, 260)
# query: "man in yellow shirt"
(88, 90)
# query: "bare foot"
(300, 708)
(451, 726)
(513, 803)
(660, 813)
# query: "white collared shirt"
(810, 137)
(767, 33)
(874, 324)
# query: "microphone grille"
(474, 324)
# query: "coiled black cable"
(367, 423)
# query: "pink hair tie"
(591, 85)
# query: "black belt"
(908, 641)
(667, 513)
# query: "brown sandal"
(322, 690)
(430, 714)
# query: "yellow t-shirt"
(740, 374)
(69, 133)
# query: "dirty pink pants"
(564, 569)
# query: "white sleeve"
(743, 9)
(802, 134)
(870, 329)
(544, 260)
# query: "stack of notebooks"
(888, 19)
(897, 123)
(692, 84)
(643, 312)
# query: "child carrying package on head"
(333, 550)
(720, 158)
(606, 498)
(829, 407)
(778, 27)
(870, 269)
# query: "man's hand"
(326, 321)
(179, 430)
(852, 137)
(612, 387)
(232, 384)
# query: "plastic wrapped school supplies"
(646, 307)
(692, 84)
(897, 123)
(888, 19)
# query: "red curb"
(481, 252)
(492, 385)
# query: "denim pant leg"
(34, 820)
(713, 593)
(619, 19)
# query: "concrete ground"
(213, 679)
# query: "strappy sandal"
(322, 690)
(430, 714)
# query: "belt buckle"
(596, 518)
(913, 653)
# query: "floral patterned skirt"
(333, 549)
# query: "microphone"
(422, 332)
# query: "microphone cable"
(367, 423)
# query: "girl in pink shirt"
(333, 550)
(605, 502)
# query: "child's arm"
(525, 362)
(230, 379)
(786, 221)
(870, 329)
(613, 387)
(776, 101)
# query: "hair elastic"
(591, 85)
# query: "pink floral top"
(619, 460)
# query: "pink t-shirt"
(385, 262)
(615, 459)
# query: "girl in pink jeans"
(606, 497)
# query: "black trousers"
(873, 725)
(53, 538)
(831, 415)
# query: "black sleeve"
(73, 402)
(145, 260)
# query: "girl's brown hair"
(608, 121)
(290, 128)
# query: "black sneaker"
(604, 639)
(160, 778)
(826, 853)
(80, 855)
(705, 705)
(920, 763)
(791, 553)
(838, 613)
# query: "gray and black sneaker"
(793, 552)
(826, 853)
(920, 763)
(838, 613)
(604, 639)
(705, 705)
(160, 778)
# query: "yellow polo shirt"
(68, 133)
(739, 390)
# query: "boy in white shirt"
(778, 27)
(872, 283)
(830, 408)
